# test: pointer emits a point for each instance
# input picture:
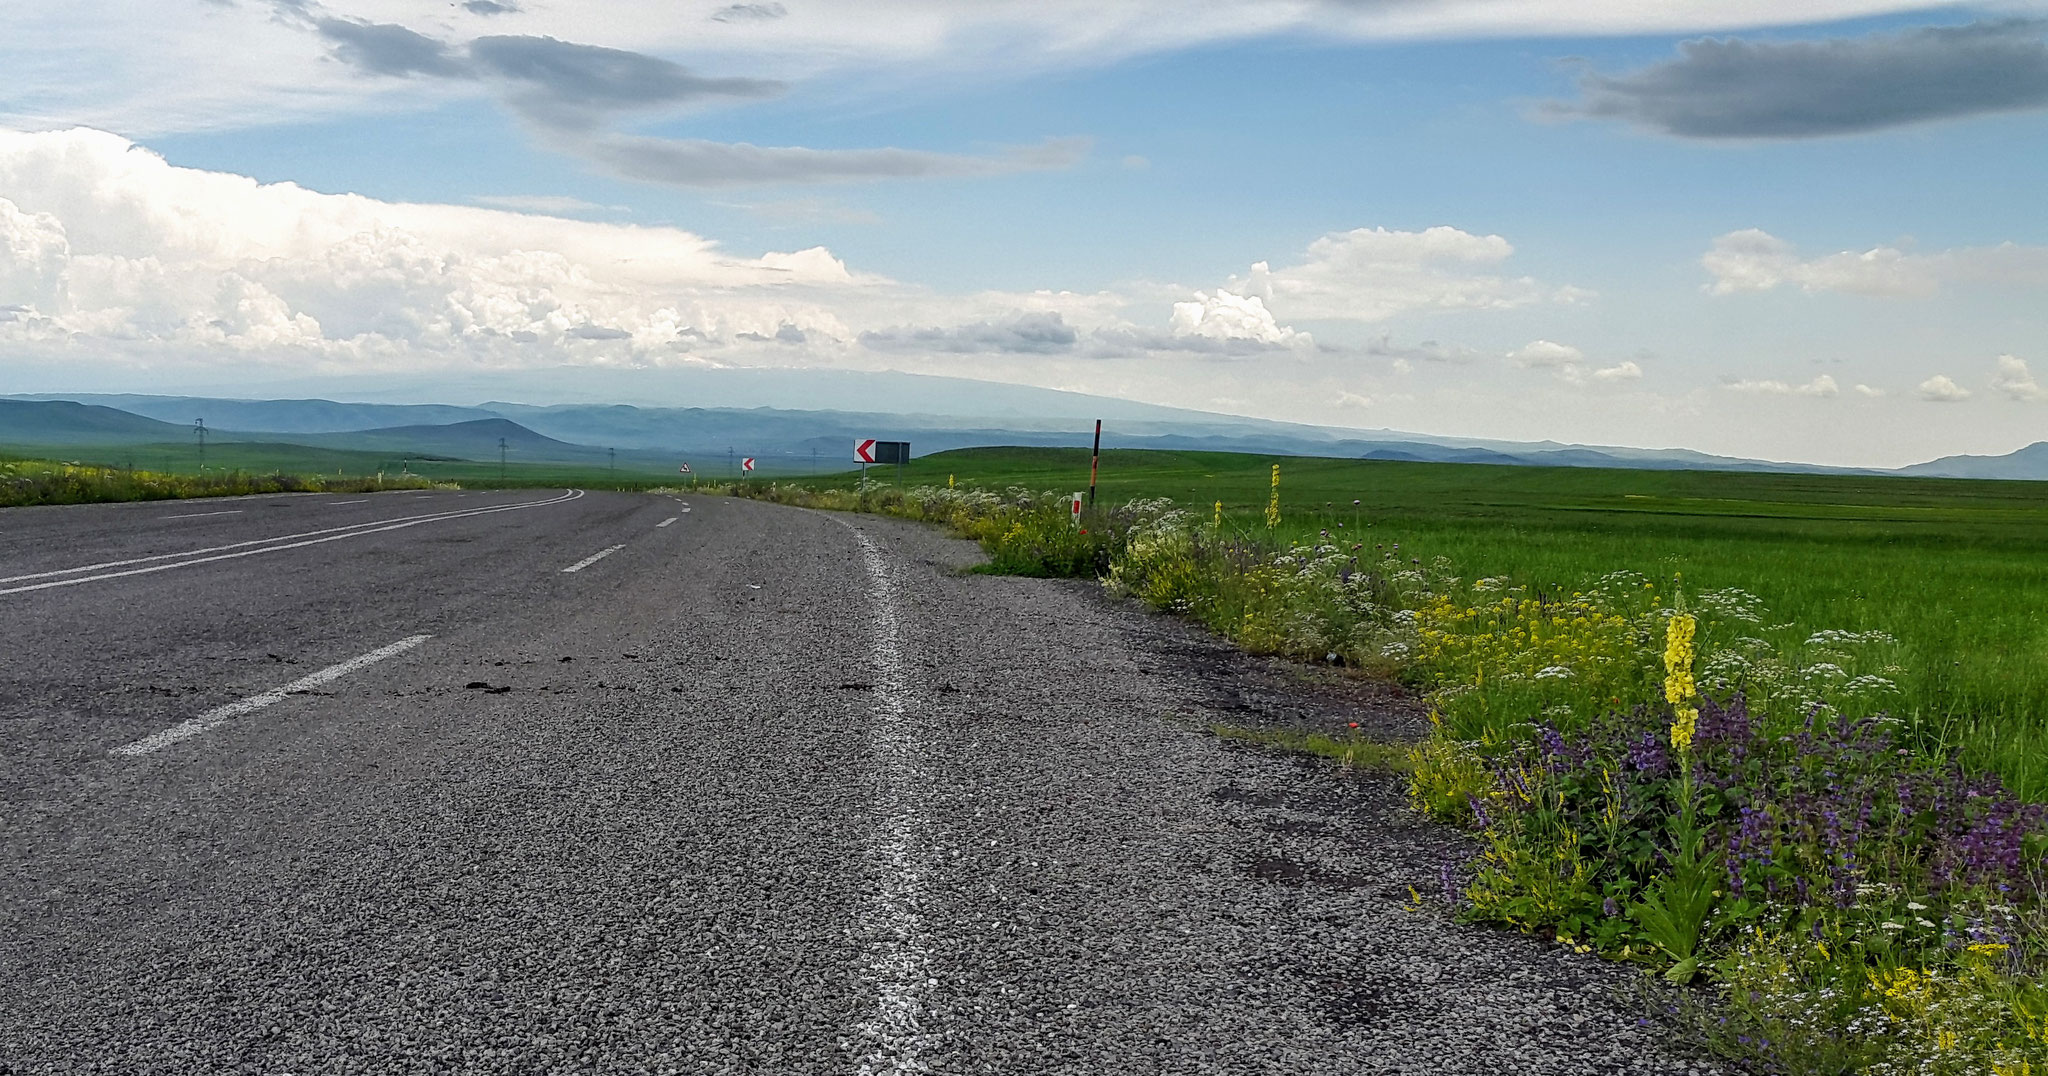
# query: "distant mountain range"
(789, 439)
(2030, 462)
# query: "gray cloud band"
(749, 13)
(571, 92)
(382, 48)
(562, 84)
(1733, 89)
(1037, 333)
(693, 162)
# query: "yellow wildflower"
(1678, 683)
(1273, 503)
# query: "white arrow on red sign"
(864, 451)
(747, 464)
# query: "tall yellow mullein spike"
(1679, 689)
(1273, 503)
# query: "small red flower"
(1354, 724)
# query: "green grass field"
(1957, 570)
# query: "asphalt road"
(378, 784)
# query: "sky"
(1806, 230)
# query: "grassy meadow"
(1956, 570)
(233, 467)
(26, 481)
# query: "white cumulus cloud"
(2014, 380)
(104, 242)
(1546, 353)
(1353, 400)
(1224, 315)
(1371, 274)
(1942, 389)
(100, 238)
(1755, 260)
(1569, 364)
(1823, 386)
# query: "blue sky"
(1717, 259)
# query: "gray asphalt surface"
(761, 791)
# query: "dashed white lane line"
(190, 557)
(893, 1038)
(666, 522)
(185, 730)
(593, 559)
(202, 515)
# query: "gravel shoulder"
(1125, 893)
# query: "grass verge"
(1664, 773)
(32, 482)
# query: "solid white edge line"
(353, 530)
(188, 729)
(592, 559)
(666, 522)
(337, 504)
(203, 515)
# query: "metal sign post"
(869, 450)
(1095, 463)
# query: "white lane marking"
(686, 509)
(203, 515)
(338, 504)
(185, 730)
(429, 517)
(347, 532)
(592, 559)
(893, 1037)
(666, 522)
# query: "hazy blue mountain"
(476, 439)
(2030, 462)
(279, 416)
(803, 440)
(62, 422)
(794, 389)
